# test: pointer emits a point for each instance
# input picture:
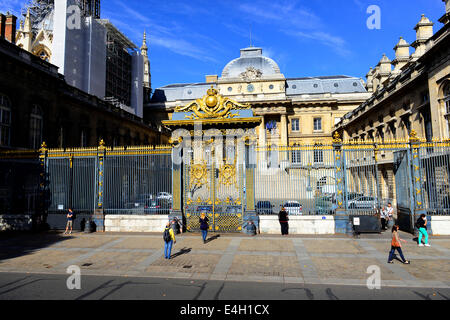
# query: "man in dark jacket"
(283, 218)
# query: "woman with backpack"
(421, 224)
(396, 245)
(204, 226)
(169, 240)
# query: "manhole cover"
(187, 267)
(87, 265)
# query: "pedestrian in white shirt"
(390, 214)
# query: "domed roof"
(251, 64)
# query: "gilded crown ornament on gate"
(212, 106)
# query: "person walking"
(384, 218)
(204, 226)
(396, 245)
(177, 226)
(69, 222)
(169, 240)
(421, 224)
(390, 215)
(283, 218)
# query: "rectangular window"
(317, 124)
(296, 155)
(5, 126)
(318, 153)
(295, 124)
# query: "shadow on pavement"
(181, 252)
(17, 244)
(212, 238)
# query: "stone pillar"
(44, 193)
(99, 215)
(419, 203)
(284, 130)
(177, 189)
(284, 138)
(250, 212)
(342, 224)
(262, 133)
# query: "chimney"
(424, 31)
(2, 26)
(384, 70)
(401, 56)
(369, 77)
(10, 28)
(211, 79)
(446, 17)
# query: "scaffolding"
(118, 65)
(41, 9)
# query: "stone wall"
(135, 223)
(298, 225)
(440, 225)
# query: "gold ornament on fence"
(198, 175)
(227, 174)
(212, 106)
(337, 138)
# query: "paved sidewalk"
(332, 260)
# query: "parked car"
(139, 203)
(158, 206)
(293, 208)
(264, 207)
(164, 195)
(364, 202)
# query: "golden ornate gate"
(216, 190)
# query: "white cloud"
(171, 35)
(295, 21)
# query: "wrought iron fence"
(133, 180)
(20, 180)
(358, 178)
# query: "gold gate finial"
(413, 136)
(337, 137)
(43, 147)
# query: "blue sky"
(189, 39)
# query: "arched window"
(36, 121)
(5, 121)
(43, 55)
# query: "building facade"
(37, 105)
(293, 110)
(90, 52)
(411, 92)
